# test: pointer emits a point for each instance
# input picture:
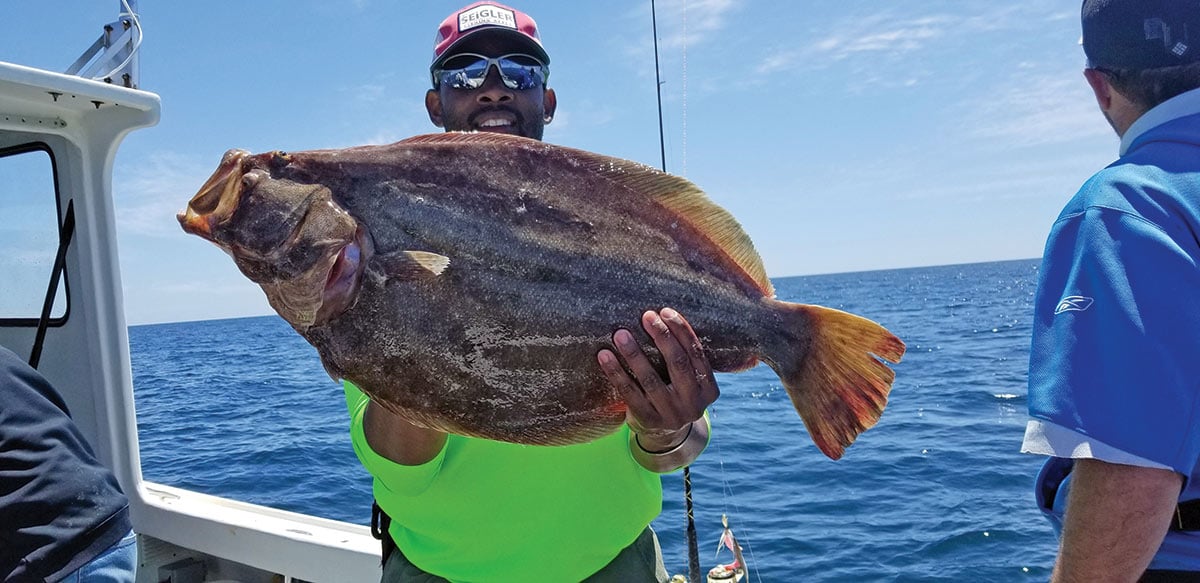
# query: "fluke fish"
(467, 281)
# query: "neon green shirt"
(485, 511)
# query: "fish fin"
(469, 137)
(674, 193)
(685, 199)
(837, 382)
(410, 265)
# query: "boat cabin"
(61, 306)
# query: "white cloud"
(682, 24)
(871, 45)
(779, 60)
(394, 130)
(206, 300)
(867, 51)
(386, 116)
(206, 288)
(150, 192)
(385, 136)
(876, 35)
(1034, 109)
(560, 127)
(691, 22)
(1031, 180)
(367, 92)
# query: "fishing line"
(726, 487)
(693, 551)
(727, 496)
(683, 144)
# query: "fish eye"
(252, 178)
(279, 159)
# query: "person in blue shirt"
(63, 516)
(1114, 373)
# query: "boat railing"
(113, 58)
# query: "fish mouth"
(217, 199)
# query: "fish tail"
(833, 374)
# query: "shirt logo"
(1073, 304)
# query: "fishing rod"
(662, 143)
(693, 550)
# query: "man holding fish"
(473, 509)
(473, 289)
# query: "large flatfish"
(467, 281)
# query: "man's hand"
(1116, 519)
(661, 413)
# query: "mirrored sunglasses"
(469, 70)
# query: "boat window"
(29, 234)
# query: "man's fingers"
(656, 403)
(680, 372)
(661, 399)
(638, 364)
(634, 398)
(617, 376)
(698, 369)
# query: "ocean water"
(936, 491)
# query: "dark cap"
(1141, 34)
(487, 18)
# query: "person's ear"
(433, 105)
(549, 104)
(1101, 87)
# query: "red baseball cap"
(486, 16)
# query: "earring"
(547, 118)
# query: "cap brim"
(519, 40)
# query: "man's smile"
(496, 121)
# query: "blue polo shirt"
(1114, 369)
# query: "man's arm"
(666, 417)
(1116, 518)
(397, 439)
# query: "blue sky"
(844, 135)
